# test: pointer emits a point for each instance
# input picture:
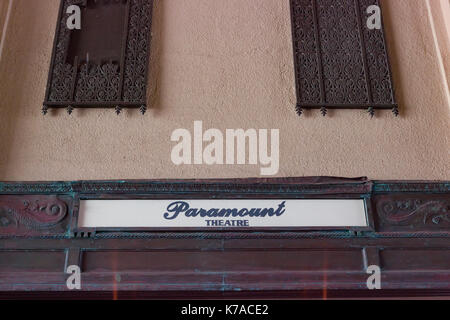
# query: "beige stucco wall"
(229, 64)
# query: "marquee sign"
(230, 213)
(239, 237)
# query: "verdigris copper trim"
(308, 185)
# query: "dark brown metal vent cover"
(340, 63)
(104, 64)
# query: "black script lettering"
(228, 212)
(176, 208)
(192, 213)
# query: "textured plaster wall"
(229, 64)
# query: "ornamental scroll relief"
(416, 213)
(33, 215)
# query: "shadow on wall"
(394, 60)
(155, 66)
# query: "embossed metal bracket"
(339, 62)
(104, 64)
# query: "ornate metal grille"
(104, 64)
(339, 62)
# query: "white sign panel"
(221, 213)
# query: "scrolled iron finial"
(395, 111)
(323, 111)
(371, 112)
(118, 110)
(69, 110)
(143, 109)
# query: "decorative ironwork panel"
(104, 63)
(40, 239)
(340, 63)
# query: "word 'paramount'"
(176, 208)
